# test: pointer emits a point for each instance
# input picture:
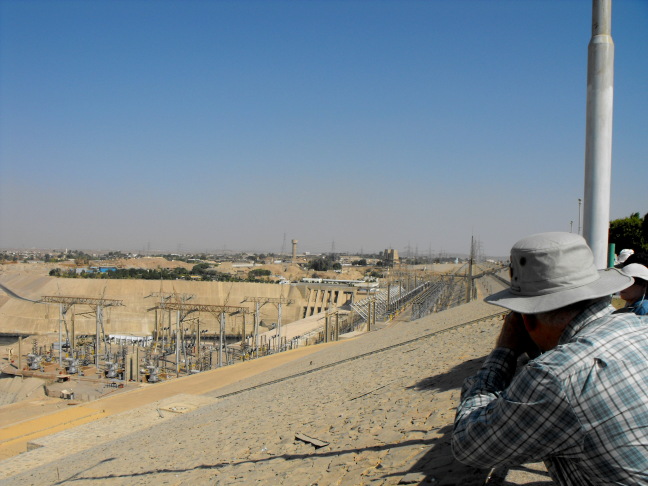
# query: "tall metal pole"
(183, 340)
(469, 279)
(61, 314)
(256, 330)
(222, 339)
(244, 322)
(327, 329)
(137, 367)
(279, 325)
(198, 341)
(99, 325)
(580, 230)
(598, 138)
(72, 339)
(157, 332)
(177, 344)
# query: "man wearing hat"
(582, 404)
(635, 295)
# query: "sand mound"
(14, 389)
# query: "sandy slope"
(382, 406)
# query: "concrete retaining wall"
(21, 317)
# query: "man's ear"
(530, 322)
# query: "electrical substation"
(184, 336)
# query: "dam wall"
(138, 297)
(21, 317)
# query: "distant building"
(103, 269)
(391, 256)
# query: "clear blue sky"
(203, 125)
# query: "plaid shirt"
(581, 407)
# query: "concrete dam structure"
(137, 314)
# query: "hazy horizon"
(215, 251)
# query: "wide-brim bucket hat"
(553, 270)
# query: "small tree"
(322, 264)
(199, 269)
(81, 260)
(319, 265)
(630, 232)
(259, 272)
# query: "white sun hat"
(624, 255)
(636, 270)
(553, 270)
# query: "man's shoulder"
(611, 326)
(610, 335)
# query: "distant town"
(223, 266)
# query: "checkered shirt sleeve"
(581, 407)
(504, 420)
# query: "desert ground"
(374, 409)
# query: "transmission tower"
(260, 302)
(66, 303)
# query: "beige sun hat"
(553, 270)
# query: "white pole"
(279, 324)
(598, 137)
(98, 332)
(61, 317)
(222, 338)
(256, 330)
(177, 344)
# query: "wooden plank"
(311, 440)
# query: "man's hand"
(515, 337)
